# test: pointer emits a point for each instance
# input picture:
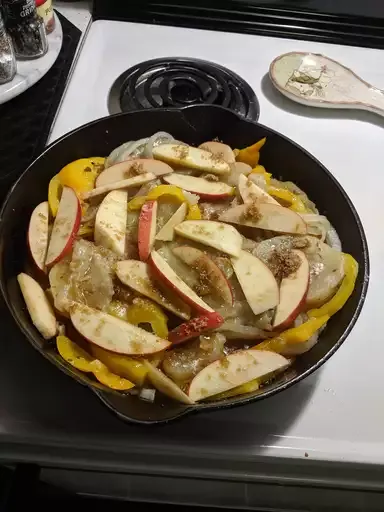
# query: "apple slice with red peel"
(65, 227)
(257, 282)
(251, 193)
(147, 229)
(136, 181)
(268, 216)
(192, 158)
(165, 274)
(293, 292)
(167, 232)
(111, 222)
(129, 168)
(234, 370)
(59, 282)
(222, 237)
(113, 334)
(210, 190)
(39, 308)
(38, 234)
(195, 327)
(206, 268)
(136, 275)
(219, 150)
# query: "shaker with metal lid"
(7, 56)
(26, 28)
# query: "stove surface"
(336, 414)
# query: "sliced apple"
(38, 234)
(165, 385)
(192, 158)
(167, 232)
(147, 229)
(129, 168)
(268, 216)
(65, 227)
(195, 327)
(210, 190)
(251, 193)
(208, 271)
(59, 282)
(237, 169)
(219, 150)
(293, 292)
(38, 306)
(165, 274)
(111, 222)
(234, 370)
(257, 282)
(325, 264)
(114, 334)
(220, 236)
(136, 275)
(136, 181)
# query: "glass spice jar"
(26, 28)
(45, 10)
(7, 56)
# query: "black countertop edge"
(290, 472)
(267, 21)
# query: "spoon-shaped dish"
(317, 81)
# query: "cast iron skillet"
(194, 125)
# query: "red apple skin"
(195, 327)
(160, 277)
(146, 218)
(209, 197)
(299, 307)
(295, 313)
(71, 239)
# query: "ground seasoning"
(26, 29)
(283, 263)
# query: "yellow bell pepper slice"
(145, 311)
(251, 154)
(128, 367)
(260, 169)
(81, 174)
(54, 193)
(295, 203)
(118, 309)
(248, 387)
(194, 212)
(299, 334)
(109, 379)
(169, 192)
(80, 359)
(351, 269)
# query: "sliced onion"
(234, 330)
(156, 139)
(258, 179)
(318, 225)
(147, 394)
(113, 158)
(333, 240)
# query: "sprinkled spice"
(26, 28)
(251, 213)
(283, 263)
(7, 56)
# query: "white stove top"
(336, 414)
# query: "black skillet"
(194, 125)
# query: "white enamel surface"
(337, 413)
(31, 71)
(331, 85)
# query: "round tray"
(30, 71)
